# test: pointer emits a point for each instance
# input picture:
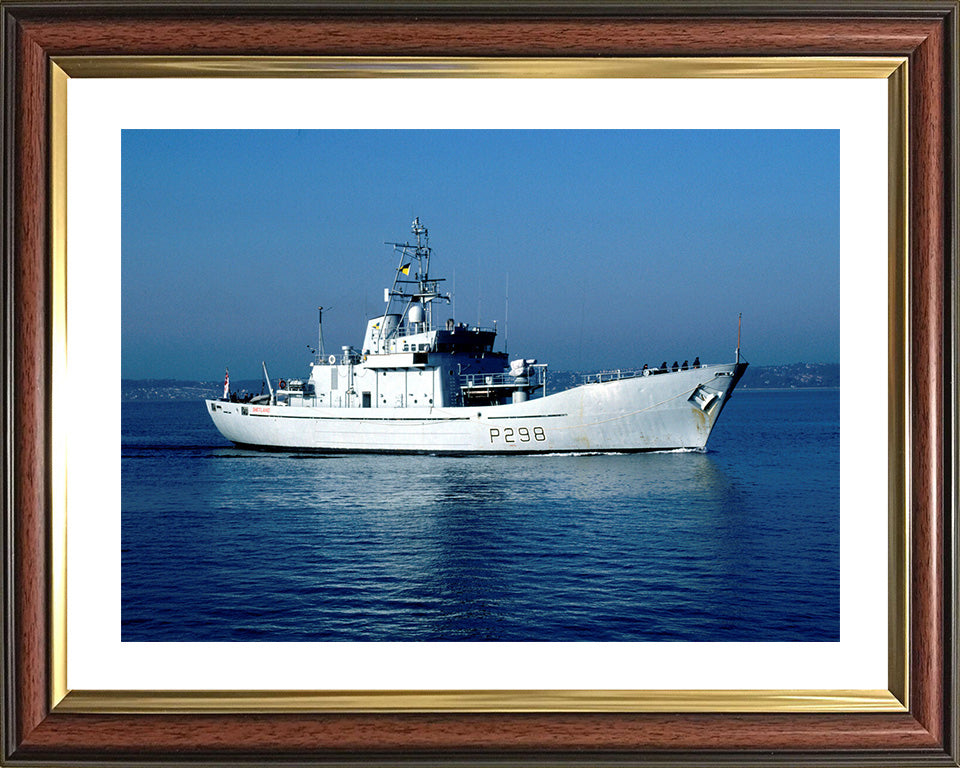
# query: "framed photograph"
(141, 188)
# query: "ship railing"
(620, 373)
(535, 379)
(625, 373)
(405, 329)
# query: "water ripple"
(740, 543)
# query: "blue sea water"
(740, 543)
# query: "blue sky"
(620, 247)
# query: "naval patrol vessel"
(419, 386)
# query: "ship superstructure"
(416, 386)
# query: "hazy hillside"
(792, 376)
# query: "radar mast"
(417, 287)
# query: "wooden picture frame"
(38, 730)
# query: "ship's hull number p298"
(517, 435)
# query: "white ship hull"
(675, 410)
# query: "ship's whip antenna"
(506, 313)
(320, 330)
(739, 323)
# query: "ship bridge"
(387, 335)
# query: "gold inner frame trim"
(233, 702)
(898, 383)
(427, 66)
(893, 69)
(59, 406)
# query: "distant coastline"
(758, 377)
